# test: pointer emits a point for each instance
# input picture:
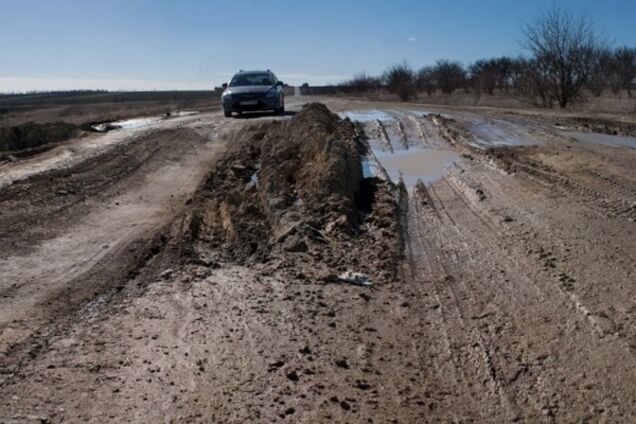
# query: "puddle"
(501, 133)
(370, 168)
(126, 124)
(421, 164)
(403, 146)
(364, 116)
(185, 113)
(606, 139)
(412, 165)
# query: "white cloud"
(411, 39)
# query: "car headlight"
(227, 95)
(271, 93)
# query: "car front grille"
(247, 96)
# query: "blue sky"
(192, 44)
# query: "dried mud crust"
(290, 195)
(32, 209)
(599, 125)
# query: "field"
(352, 261)
(29, 121)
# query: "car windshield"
(243, 80)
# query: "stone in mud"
(295, 244)
(293, 376)
(355, 278)
(342, 363)
(166, 274)
(340, 224)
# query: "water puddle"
(184, 113)
(420, 164)
(500, 133)
(126, 124)
(606, 139)
(365, 116)
(402, 146)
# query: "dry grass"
(83, 108)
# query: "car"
(253, 91)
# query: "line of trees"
(566, 60)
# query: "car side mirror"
(224, 85)
(279, 83)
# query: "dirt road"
(514, 301)
(78, 219)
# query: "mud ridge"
(291, 197)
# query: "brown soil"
(290, 195)
(514, 301)
(599, 125)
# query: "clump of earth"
(290, 195)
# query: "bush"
(31, 135)
(400, 79)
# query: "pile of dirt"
(32, 135)
(291, 195)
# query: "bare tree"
(362, 83)
(529, 84)
(400, 80)
(602, 73)
(625, 68)
(425, 80)
(449, 75)
(484, 75)
(564, 51)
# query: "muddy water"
(128, 124)
(399, 148)
(597, 138)
(425, 164)
(490, 133)
(365, 116)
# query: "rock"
(339, 224)
(356, 278)
(295, 244)
(166, 274)
(362, 385)
(293, 376)
(288, 230)
(342, 363)
(330, 278)
(276, 365)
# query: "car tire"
(281, 110)
(227, 113)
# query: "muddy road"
(406, 265)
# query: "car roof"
(267, 71)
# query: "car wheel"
(227, 113)
(281, 110)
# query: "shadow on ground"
(252, 115)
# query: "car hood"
(252, 89)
